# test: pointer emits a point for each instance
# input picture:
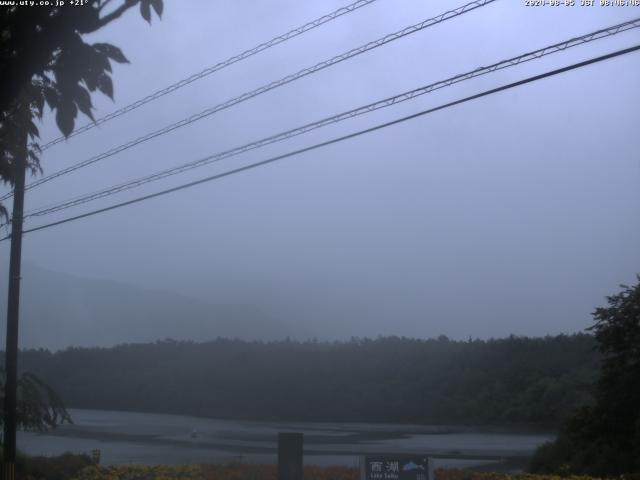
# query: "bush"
(209, 472)
(550, 457)
(63, 467)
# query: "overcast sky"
(516, 213)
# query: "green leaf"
(105, 85)
(32, 130)
(145, 10)
(157, 6)
(99, 61)
(39, 103)
(83, 101)
(90, 77)
(65, 117)
(34, 157)
(111, 51)
(52, 96)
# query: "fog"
(513, 214)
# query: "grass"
(80, 467)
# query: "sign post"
(289, 456)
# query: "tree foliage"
(45, 60)
(603, 438)
(507, 381)
(39, 407)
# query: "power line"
(558, 47)
(339, 139)
(265, 88)
(214, 68)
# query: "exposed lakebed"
(146, 438)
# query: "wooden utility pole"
(13, 307)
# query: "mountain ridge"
(103, 312)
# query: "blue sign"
(395, 467)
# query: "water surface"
(146, 438)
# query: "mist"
(512, 214)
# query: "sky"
(515, 214)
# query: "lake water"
(145, 438)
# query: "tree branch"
(116, 13)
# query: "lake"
(146, 438)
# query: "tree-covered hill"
(504, 381)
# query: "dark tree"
(604, 438)
(533, 381)
(40, 408)
(44, 59)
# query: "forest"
(510, 381)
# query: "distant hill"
(60, 310)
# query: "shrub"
(63, 467)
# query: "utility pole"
(13, 306)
